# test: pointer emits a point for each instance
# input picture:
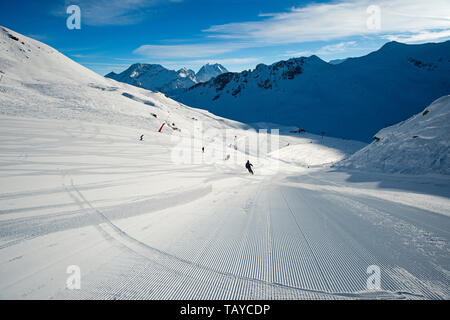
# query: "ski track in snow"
(140, 227)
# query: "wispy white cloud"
(338, 47)
(187, 50)
(228, 61)
(325, 50)
(427, 36)
(114, 12)
(339, 19)
(80, 56)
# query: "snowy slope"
(157, 78)
(38, 81)
(353, 99)
(419, 145)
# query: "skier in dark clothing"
(249, 166)
(142, 137)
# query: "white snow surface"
(353, 99)
(77, 187)
(419, 145)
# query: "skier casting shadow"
(249, 166)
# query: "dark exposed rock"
(13, 37)
(420, 64)
(236, 91)
(222, 80)
(266, 84)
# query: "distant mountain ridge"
(209, 71)
(352, 99)
(337, 61)
(157, 78)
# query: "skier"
(203, 149)
(249, 166)
(142, 137)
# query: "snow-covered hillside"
(37, 81)
(353, 99)
(80, 191)
(157, 78)
(419, 145)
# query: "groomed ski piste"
(78, 188)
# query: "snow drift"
(419, 145)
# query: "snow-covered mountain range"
(157, 78)
(419, 145)
(352, 99)
(336, 61)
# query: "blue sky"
(236, 33)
